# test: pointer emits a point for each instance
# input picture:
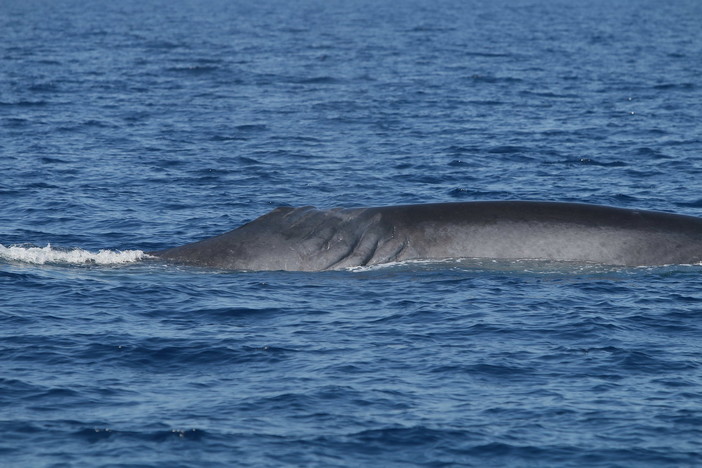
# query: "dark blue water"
(137, 125)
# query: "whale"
(311, 239)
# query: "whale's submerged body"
(308, 239)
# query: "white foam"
(52, 255)
(402, 263)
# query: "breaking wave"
(70, 256)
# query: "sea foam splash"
(75, 256)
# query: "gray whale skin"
(308, 239)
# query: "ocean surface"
(128, 126)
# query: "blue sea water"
(136, 125)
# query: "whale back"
(308, 239)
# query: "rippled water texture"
(132, 126)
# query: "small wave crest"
(75, 256)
